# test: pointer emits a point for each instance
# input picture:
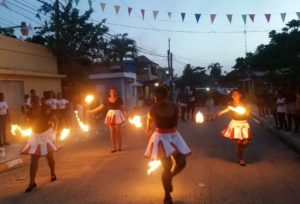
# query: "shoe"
(242, 163)
(113, 151)
(53, 178)
(168, 201)
(30, 187)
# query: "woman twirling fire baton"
(238, 128)
(41, 142)
(115, 116)
(166, 142)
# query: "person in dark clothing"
(182, 101)
(166, 142)
(191, 105)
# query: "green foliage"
(215, 70)
(7, 32)
(193, 77)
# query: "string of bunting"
(156, 13)
(212, 17)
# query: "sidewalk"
(290, 138)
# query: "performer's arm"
(53, 121)
(223, 111)
(123, 109)
(99, 108)
(149, 126)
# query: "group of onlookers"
(186, 100)
(283, 105)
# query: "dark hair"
(235, 90)
(161, 92)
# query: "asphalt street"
(88, 173)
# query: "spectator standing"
(4, 120)
(297, 112)
(291, 103)
(191, 104)
(209, 104)
(182, 101)
(63, 105)
(281, 111)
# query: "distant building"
(25, 66)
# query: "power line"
(24, 16)
(32, 7)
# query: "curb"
(13, 164)
(290, 141)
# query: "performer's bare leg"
(113, 138)
(167, 178)
(180, 163)
(33, 168)
(118, 136)
(241, 145)
(51, 164)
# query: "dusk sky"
(196, 43)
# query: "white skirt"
(114, 117)
(40, 143)
(171, 142)
(237, 130)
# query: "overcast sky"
(196, 43)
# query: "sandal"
(30, 187)
(113, 151)
(53, 178)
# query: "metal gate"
(13, 91)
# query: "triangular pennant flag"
(117, 9)
(169, 14)
(76, 1)
(212, 18)
(244, 16)
(129, 10)
(298, 14)
(283, 15)
(38, 16)
(182, 16)
(90, 4)
(30, 27)
(155, 13)
(197, 16)
(143, 13)
(268, 17)
(4, 3)
(102, 6)
(229, 17)
(252, 16)
(21, 38)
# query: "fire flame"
(64, 133)
(136, 121)
(153, 165)
(17, 130)
(199, 117)
(89, 98)
(84, 127)
(238, 109)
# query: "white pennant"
(283, 15)
(155, 13)
(117, 9)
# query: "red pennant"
(129, 10)
(143, 13)
(252, 16)
(268, 17)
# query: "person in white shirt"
(63, 105)
(52, 102)
(209, 104)
(281, 111)
(4, 120)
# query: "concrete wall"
(25, 56)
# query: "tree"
(193, 77)
(71, 36)
(215, 70)
(121, 47)
(7, 32)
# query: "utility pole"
(170, 69)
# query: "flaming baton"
(89, 99)
(199, 117)
(16, 130)
(136, 121)
(84, 127)
(153, 165)
(239, 109)
(64, 133)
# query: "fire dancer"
(166, 142)
(41, 142)
(115, 116)
(238, 128)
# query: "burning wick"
(136, 121)
(89, 98)
(153, 165)
(84, 127)
(64, 133)
(16, 130)
(199, 117)
(239, 109)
